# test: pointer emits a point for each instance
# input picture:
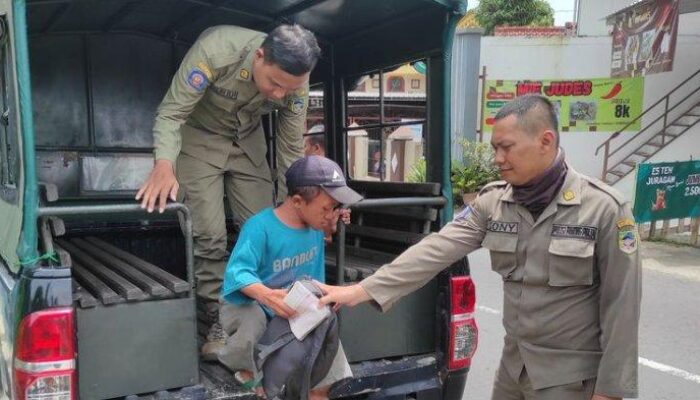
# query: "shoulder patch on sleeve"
(296, 104)
(627, 236)
(604, 187)
(197, 79)
(462, 215)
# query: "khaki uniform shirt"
(572, 281)
(213, 103)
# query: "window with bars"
(385, 125)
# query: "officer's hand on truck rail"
(160, 185)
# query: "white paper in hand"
(309, 313)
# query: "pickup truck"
(97, 296)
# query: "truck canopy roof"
(395, 30)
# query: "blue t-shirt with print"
(274, 254)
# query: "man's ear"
(260, 53)
(548, 139)
(297, 201)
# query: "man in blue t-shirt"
(275, 248)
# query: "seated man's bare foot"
(244, 376)
(319, 393)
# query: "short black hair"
(307, 193)
(317, 139)
(532, 112)
(292, 48)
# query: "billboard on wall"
(644, 38)
(667, 191)
(582, 105)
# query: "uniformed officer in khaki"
(567, 249)
(208, 132)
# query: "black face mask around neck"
(539, 192)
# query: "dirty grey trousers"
(244, 325)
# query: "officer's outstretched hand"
(343, 295)
(160, 185)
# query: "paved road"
(669, 330)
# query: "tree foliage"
(469, 20)
(493, 13)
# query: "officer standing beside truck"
(567, 249)
(209, 139)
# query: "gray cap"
(322, 172)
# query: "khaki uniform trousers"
(506, 388)
(244, 325)
(248, 188)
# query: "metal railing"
(135, 208)
(377, 203)
(664, 116)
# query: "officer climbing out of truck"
(209, 139)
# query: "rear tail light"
(44, 365)
(463, 331)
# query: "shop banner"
(582, 105)
(644, 38)
(667, 191)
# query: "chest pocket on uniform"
(502, 247)
(219, 100)
(571, 262)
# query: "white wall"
(592, 13)
(589, 57)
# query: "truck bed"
(121, 296)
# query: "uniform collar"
(569, 194)
(245, 70)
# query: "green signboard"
(582, 105)
(667, 191)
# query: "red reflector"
(463, 295)
(46, 336)
(44, 366)
(464, 334)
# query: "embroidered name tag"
(502, 227)
(575, 231)
(230, 94)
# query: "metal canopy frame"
(198, 10)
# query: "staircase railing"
(664, 116)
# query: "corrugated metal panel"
(465, 87)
